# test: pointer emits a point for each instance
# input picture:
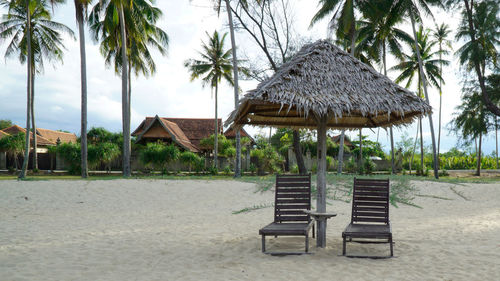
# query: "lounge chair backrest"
(293, 195)
(370, 202)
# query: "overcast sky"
(170, 93)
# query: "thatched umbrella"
(324, 87)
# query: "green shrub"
(158, 155)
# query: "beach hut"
(324, 87)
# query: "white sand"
(184, 230)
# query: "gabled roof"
(3, 134)
(197, 129)
(231, 134)
(347, 141)
(171, 130)
(41, 141)
(188, 131)
(54, 135)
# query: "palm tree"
(472, 23)
(214, 65)
(81, 7)
(34, 37)
(413, 7)
(471, 122)
(409, 66)
(126, 44)
(440, 35)
(379, 32)
(344, 21)
(237, 169)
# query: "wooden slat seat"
(292, 197)
(370, 213)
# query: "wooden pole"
(321, 181)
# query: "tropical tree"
(13, 145)
(440, 35)
(414, 8)
(214, 65)
(5, 123)
(380, 35)
(127, 30)
(81, 7)
(480, 24)
(217, 5)
(269, 23)
(471, 122)
(34, 37)
(409, 66)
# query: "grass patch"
(253, 208)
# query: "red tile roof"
(188, 132)
(3, 134)
(54, 135)
(41, 141)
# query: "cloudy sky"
(170, 93)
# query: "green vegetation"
(158, 155)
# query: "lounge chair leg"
(263, 243)
(343, 246)
(307, 243)
(314, 232)
(390, 241)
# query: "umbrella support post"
(321, 181)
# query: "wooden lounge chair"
(293, 196)
(370, 214)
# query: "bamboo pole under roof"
(324, 87)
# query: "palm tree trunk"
(496, 140)
(341, 152)
(216, 133)
(237, 164)
(342, 135)
(393, 166)
(414, 145)
(478, 171)
(22, 175)
(360, 152)
(440, 101)
(421, 149)
(33, 124)
(83, 77)
(424, 83)
(298, 153)
(125, 101)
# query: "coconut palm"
(217, 3)
(440, 35)
(409, 67)
(414, 8)
(380, 34)
(34, 38)
(471, 122)
(126, 45)
(81, 7)
(214, 65)
(473, 34)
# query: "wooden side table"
(320, 217)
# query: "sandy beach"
(185, 230)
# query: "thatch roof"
(321, 79)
